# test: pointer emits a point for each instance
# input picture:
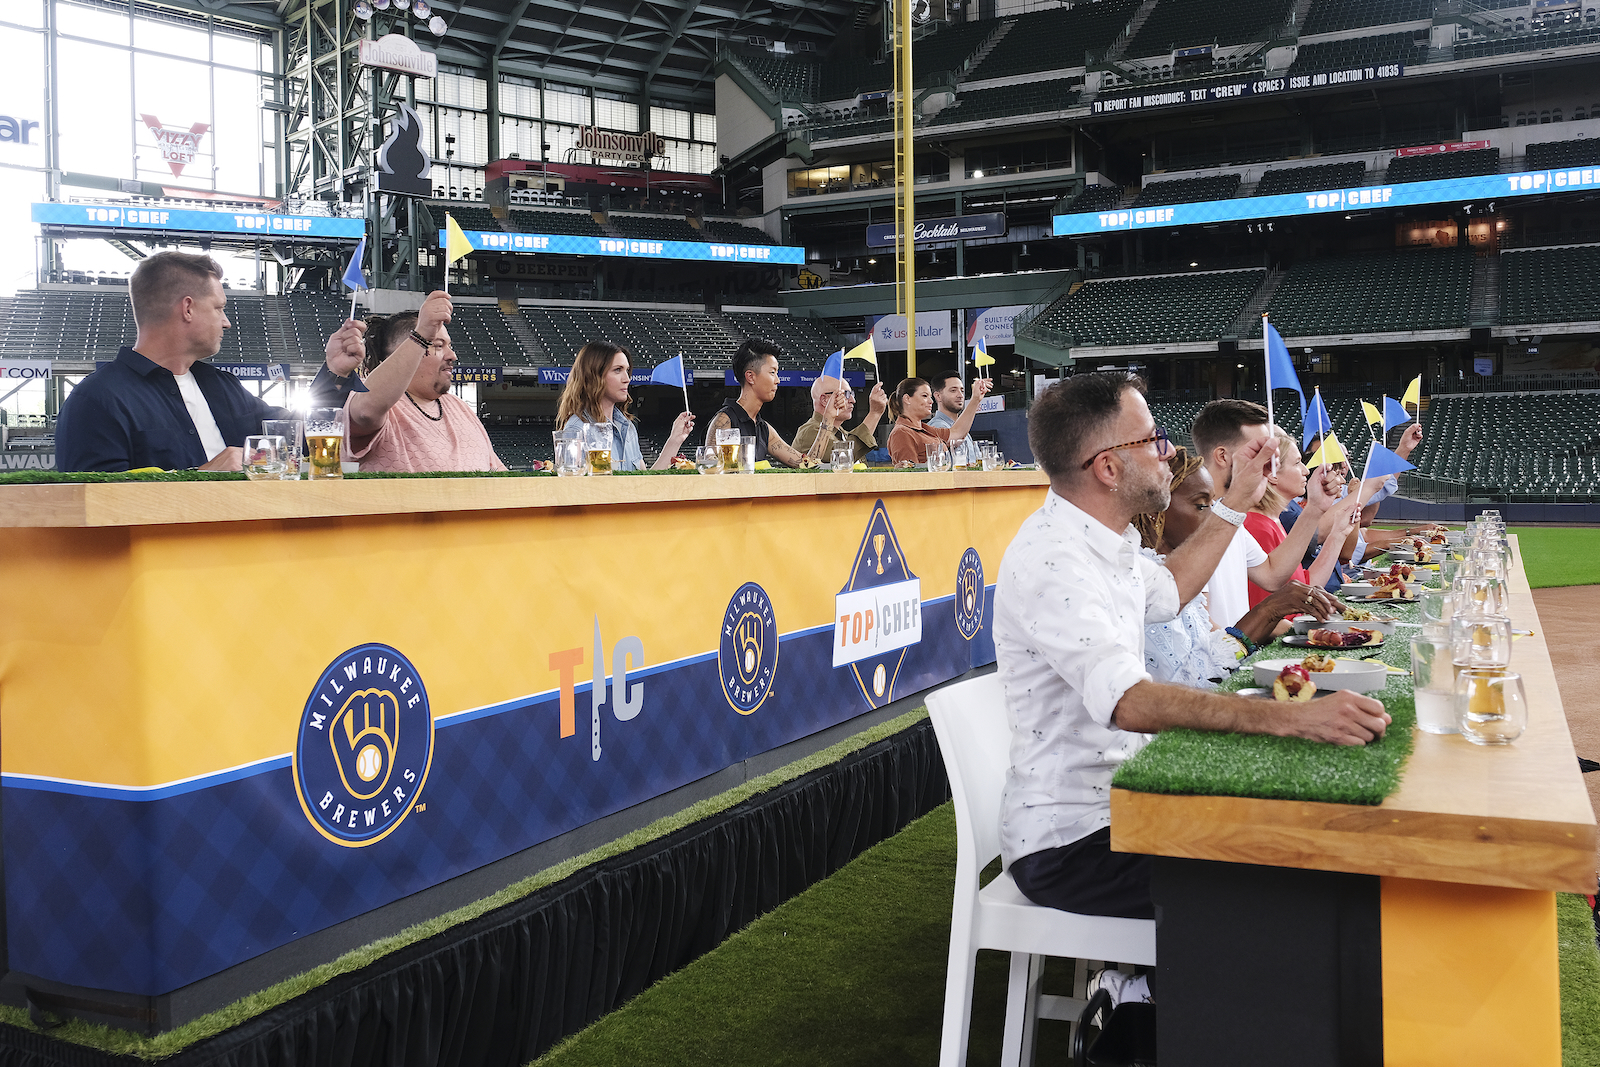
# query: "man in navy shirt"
(159, 404)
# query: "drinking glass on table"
(991, 455)
(843, 459)
(707, 459)
(1437, 605)
(1480, 640)
(1491, 707)
(938, 456)
(1434, 673)
(1449, 567)
(263, 457)
(597, 446)
(747, 455)
(293, 433)
(571, 461)
(1478, 593)
(325, 441)
(728, 449)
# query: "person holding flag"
(913, 406)
(597, 392)
(832, 391)
(755, 369)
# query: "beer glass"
(747, 455)
(325, 440)
(1491, 708)
(597, 446)
(293, 433)
(570, 459)
(843, 459)
(1434, 675)
(1480, 640)
(728, 449)
(991, 455)
(263, 457)
(708, 459)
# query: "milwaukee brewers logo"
(747, 653)
(364, 746)
(969, 594)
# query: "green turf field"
(1559, 555)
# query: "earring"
(1113, 489)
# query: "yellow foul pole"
(905, 208)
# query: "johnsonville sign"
(603, 144)
(960, 228)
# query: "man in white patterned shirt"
(1071, 603)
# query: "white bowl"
(1357, 589)
(1304, 624)
(1364, 676)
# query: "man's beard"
(1151, 498)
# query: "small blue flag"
(1316, 421)
(353, 278)
(833, 367)
(1394, 414)
(1280, 368)
(1381, 462)
(669, 373)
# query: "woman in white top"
(597, 392)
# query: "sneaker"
(1122, 988)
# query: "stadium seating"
(467, 216)
(1095, 198)
(1443, 165)
(801, 339)
(1374, 293)
(1584, 152)
(1527, 445)
(1032, 98)
(1182, 25)
(852, 76)
(655, 228)
(1357, 52)
(1536, 40)
(736, 232)
(949, 48)
(1056, 38)
(786, 79)
(481, 337)
(1188, 190)
(1311, 179)
(1329, 15)
(1550, 285)
(1152, 310)
(579, 223)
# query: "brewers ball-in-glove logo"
(747, 652)
(364, 747)
(969, 594)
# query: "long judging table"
(1418, 931)
(233, 714)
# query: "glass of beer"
(263, 457)
(1491, 708)
(728, 449)
(597, 446)
(325, 440)
(293, 433)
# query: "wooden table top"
(1515, 815)
(152, 503)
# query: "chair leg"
(1022, 1010)
(960, 971)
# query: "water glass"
(1437, 605)
(990, 453)
(728, 449)
(938, 456)
(1476, 594)
(1491, 708)
(293, 433)
(264, 457)
(843, 459)
(325, 442)
(1480, 640)
(1449, 567)
(597, 447)
(571, 461)
(747, 455)
(707, 460)
(1434, 675)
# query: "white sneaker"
(1123, 988)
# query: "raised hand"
(435, 312)
(682, 427)
(347, 348)
(1252, 465)
(878, 400)
(981, 387)
(1409, 440)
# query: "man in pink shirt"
(408, 420)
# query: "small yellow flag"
(1330, 452)
(1374, 416)
(981, 356)
(456, 244)
(864, 350)
(1413, 394)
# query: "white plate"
(1350, 589)
(1384, 627)
(1361, 675)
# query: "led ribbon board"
(1484, 187)
(564, 244)
(243, 223)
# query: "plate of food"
(1321, 671)
(1353, 636)
(1258, 693)
(1380, 623)
(1403, 571)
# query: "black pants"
(1088, 878)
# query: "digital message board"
(566, 244)
(187, 220)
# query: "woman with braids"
(407, 419)
(912, 407)
(597, 391)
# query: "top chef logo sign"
(178, 146)
(878, 614)
(364, 746)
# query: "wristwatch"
(1227, 514)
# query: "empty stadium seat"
(1374, 293)
(1311, 179)
(1444, 165)
(972, 105)
(1095, 198)
(1358, 52)
(1550, 285)
(1329, 15)
(1181, 25)
(1584, 152)
(1055, 38)
(1162, 309)
(1188, 190)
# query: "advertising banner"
(486, 375)
(178, 146)
(575, 245)
(928, 231)
(1233, 90)
(21, 370)
(166, 220)
(889, 331)
(993, 324)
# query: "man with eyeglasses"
(862, 437)
(1073, 596)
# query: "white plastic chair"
(969, 718)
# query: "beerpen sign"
(603, 144)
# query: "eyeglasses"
(1163, 446)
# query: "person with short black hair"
(949, 398)
(755, 368)
(1072, 599)
(159, 403)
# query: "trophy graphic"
(877, 545)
